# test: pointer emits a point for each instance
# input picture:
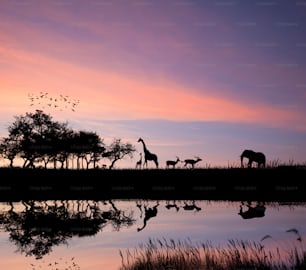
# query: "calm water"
(88, 235)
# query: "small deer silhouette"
(191, 162)
(172, 162)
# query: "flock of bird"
(57, 265)
(44, 100)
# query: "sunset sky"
(204, 78)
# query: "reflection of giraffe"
(148, 155)
(139, 205)
(139, 162)
(149, 213)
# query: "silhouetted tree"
(31, 135)
(60, 140)
(9, 149)
(88, 147)
(118, 150)
(36, 138)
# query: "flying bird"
(266, 237)
(293, 230)
(296, 232)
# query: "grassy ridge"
(271, 184)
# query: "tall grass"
(185, 255)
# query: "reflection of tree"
(40, 226)
(118, 219)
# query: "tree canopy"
(38, 140)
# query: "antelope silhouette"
(191, 162)
(172, 162)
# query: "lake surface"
(88, 235)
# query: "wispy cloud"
(119, 96)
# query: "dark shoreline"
(283, 184)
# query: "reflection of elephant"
(257, 211)
(257, 157)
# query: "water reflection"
(42, 225)
(256, 211)
(172, 205)
(149, 213)
(37, 227)
(191, 206)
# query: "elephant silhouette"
(253, 156)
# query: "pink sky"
(203, 62)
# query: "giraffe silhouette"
(148, 155)
(139, 162)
